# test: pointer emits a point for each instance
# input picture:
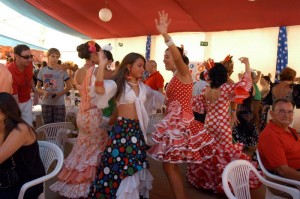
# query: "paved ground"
(162, 190)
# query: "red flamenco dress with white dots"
(178, 137)
(208, 175)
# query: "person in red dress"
(215, 101)
(178, 138)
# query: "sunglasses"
(26, 56)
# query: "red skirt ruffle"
(179, 138)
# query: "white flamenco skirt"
(132, 187)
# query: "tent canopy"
(136, 18)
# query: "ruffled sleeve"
(198, 103)
(154, 100)
(239, 91)
(101, 100)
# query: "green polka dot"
(129, 149)
(130, 171)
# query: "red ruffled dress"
(208, 175)
(178, 137)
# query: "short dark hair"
(20, 48)
(280, 100)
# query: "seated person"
(19, 147)
(279, 144)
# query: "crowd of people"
(206, 124)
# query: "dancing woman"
(80, 166)
(178, 138)
(123, 171)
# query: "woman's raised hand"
(102, 59)
(163, 23)
(244, 60)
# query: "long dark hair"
(10, 108)
(217, 75)
(123, 72)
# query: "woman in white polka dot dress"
(215, 99)
(178, 138)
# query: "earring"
(108, 67)
(127, 75)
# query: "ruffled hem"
(132, 187)
(242, 88)
(178, 139)
(71, 190)
(208, 175)
(75, 177)
(85, 153)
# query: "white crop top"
(147, 100)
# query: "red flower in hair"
(227, 58)
(92, 47)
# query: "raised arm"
(99, 86)
(162, 26)
(245, 61)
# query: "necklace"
(88, 65)
(133, 84)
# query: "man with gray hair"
(155, 80)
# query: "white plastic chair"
(55, 133)
(274, 177)
(49, 152)
(237, 174)
(154, 119)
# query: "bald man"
(155, 80)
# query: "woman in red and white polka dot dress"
(215, 99)
(177, 137)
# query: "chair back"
(49, 153)
(236, 176)
(273, 176)
(154, 119)
(55, 133)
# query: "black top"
(29, 167)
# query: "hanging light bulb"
(105, 14)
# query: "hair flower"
(92, 47)
(227, 58)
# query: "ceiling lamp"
(105, 14)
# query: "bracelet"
(170, 42)
(233, 110)
(99, 83)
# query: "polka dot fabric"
(178, 137)
(124, 156)
(217, 123)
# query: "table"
(71, 112)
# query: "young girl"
(123, 171)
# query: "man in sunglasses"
(22, 71)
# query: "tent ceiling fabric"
(136, 17)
